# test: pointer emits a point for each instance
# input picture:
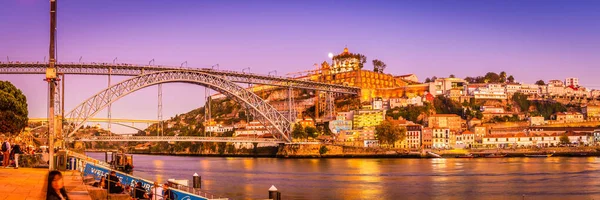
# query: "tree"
(503, 77)
(389, 133)
(564, 139)
(310, 131)
(13, 109)
(433, 78)
(298, 131)
(427, 80)
(540, 82)
(378, 66)
(444, 105)
(452, 76)
(492, 77)
(521, 100)
(510, 79)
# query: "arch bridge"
(223, 81)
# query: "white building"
(490, 91)
(442, 86)
(512, 88)
(218, 128)
(530, 89)
(572, 81)
(377, 103)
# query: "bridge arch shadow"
(275, 122)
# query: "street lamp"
(151, 61)
(114, 60)
(184, 63)
(247, 68)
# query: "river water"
(454, 178)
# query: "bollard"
(274, 194)
(197, 181)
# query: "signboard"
(126, 179)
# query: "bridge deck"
(177, 139)
(114, 120)
(135, 70)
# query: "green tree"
(444, 105)
(378, 66)
(13, 109)
(323, 150)
(427, 80)
(452, 76)
(564, 139)
(503, 77)
(492, 77)
(521, 100)
(310, 131)
(298, 131)
(540, 82)
(510, 79)
(389, 133)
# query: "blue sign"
(126, 179)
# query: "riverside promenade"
(30, 183)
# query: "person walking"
(16, 150)
(6, 153)
(56, 187)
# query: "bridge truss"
(274, 121)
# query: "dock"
(30, 183)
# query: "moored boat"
(495, 155)
(433, 154)
(466, 156)
(539, 155)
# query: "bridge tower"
(51, 79)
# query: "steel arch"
(275, 122)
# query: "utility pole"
(51, 79)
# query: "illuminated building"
(441, 138)
(346, 69)
(569, 117)
(427, 136)
(367, 118)
(590, 112)
(450, 121)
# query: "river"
(482, 178)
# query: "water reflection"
(159, 166)
(499, 178)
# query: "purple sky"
(531, 40)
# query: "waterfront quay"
(30, 183)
